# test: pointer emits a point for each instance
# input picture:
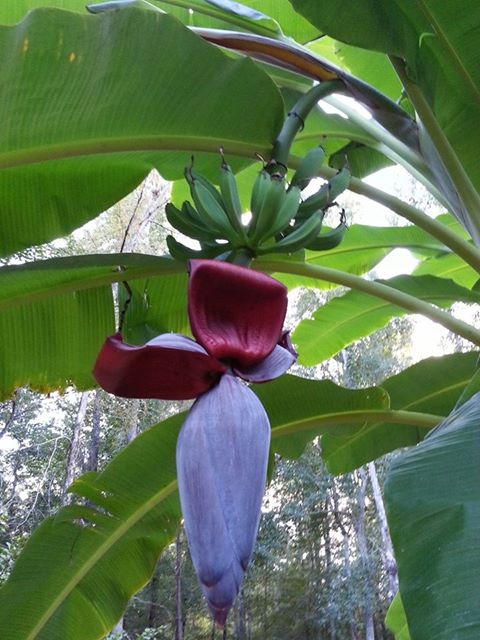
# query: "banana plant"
(91, 101)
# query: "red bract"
(169, 367)
(236, 316)
(235, 313)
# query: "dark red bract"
(236, 315)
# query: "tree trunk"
(363, 550)
(131, 419)
(92, 462)
(153, 605)
(74, 453)
(387, 548)
(178, 587)
(13, 414)
(346, 557)
(240, 624)
(328, 571)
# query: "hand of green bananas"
(281, 222)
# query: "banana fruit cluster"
(281, 221)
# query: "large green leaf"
(55, 314)
(439, 45)
(91, 559)
(96, 105)
(51, 344)
(12, 11)
(433, 505)
(354, 315)
(301, 409)
(205, 14)
(40, 280)
(451, 267)
(431, 386)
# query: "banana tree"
(91, 102)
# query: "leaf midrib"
(129, 144)
(438, 392)
(101, 551)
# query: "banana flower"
(236, 316)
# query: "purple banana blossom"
(236, 316)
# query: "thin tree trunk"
(131, 419)
(93, 446)
(328, 571)
(13, 414)
(153, 606)
(178, 587)
(346, 555)
(363, 549)
(387, 548)
(240, 625)
(74, 452)
(265, 605)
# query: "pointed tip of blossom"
(235, 313)
(221, 596)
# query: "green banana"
(272, 202)
(211, 212)
(186, 225)
(192, 177)
(260, 188)
(325, 195)
(192, 216)
(297, 239)
(231, 199)
(286, 212)
(308, 168)
(329, 240)
(180, 252)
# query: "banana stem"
(450, 239)
(466, 191)
(393, 148)
(295, 121)
(394, 296)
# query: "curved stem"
(450, 239)
(392, 148)
(205, 9)
(394, 296)
(467, 193)
(295, 119)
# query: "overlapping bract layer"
(236, 316)
(221, 469)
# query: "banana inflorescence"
(281, 221)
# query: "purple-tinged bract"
(237, 317)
